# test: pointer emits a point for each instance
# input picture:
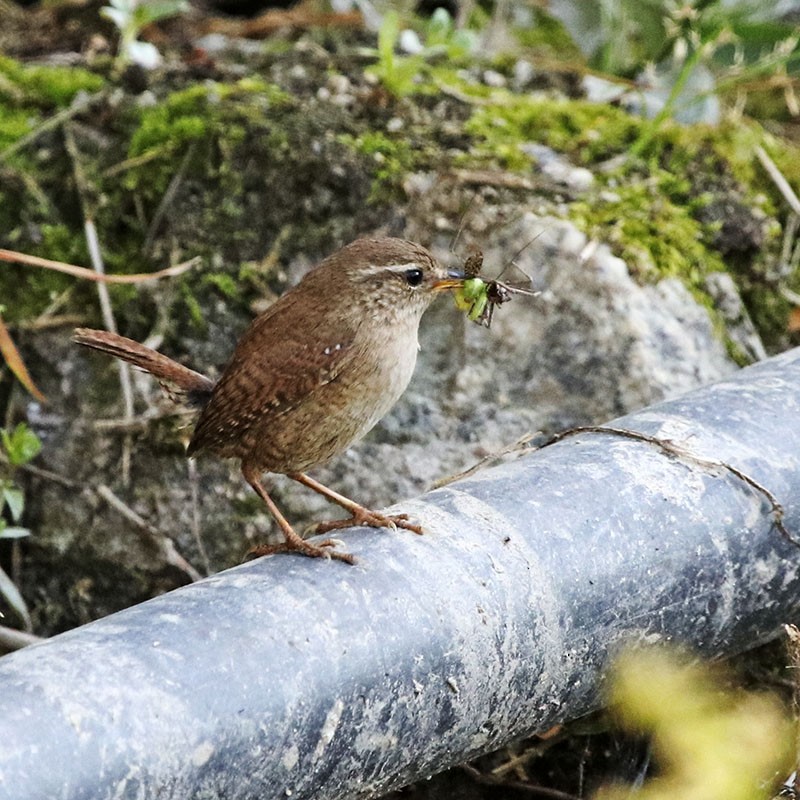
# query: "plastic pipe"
(292, 677)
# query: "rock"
(738, 325)
(558, 168)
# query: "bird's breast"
(388, 366)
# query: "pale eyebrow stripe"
(374, 269)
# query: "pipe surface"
(294, 677)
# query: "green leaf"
(387, 39)
(21, 445)
(13, 597)
(155, 10)
(15, 500)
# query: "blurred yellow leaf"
(711, 742)
(14, 360)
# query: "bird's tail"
(181, 383)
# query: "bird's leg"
(360, 514)
(293, 543)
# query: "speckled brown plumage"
(312, 374)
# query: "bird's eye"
(413, 277)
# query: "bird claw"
(322, 549)
(371, 518)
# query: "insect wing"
(473, 264)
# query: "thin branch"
(781, 184)
(521, 444)
(788, 294)
(164, 543)
(12, 639)
(48, 475)
(462, 97)
(79, 105)
(486, 177)
(93, 243)
(46, 323)
(789, 234)
(141, 422)
(169, 196)
(131, 163)
(531, 790)
(90, 275)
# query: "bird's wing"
(276, 365)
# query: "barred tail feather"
(192, 386)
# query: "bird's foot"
(322, 549)
(363, 516)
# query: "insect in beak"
(478, 297)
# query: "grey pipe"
(291, 677)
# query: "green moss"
(46, 86)
(653, 211)
(29, 93)
(163, 128)
(190, 114)
(768, 310)
(391, 159)
(193, 306)
(707, 149)
(655, 236)
(587, 132)
(60, 243)
(548, 37)
(249, 142)
(205, 115)
(14, 124)
(224, 282)
(26, 291)
(659, 238)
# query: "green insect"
(473, 297)
(479, 297)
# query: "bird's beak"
(454, 280)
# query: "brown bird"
(311, 375)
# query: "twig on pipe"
(521, 444)
(677, 451)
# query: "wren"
(310, 376)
